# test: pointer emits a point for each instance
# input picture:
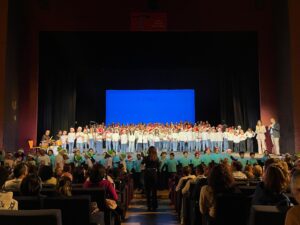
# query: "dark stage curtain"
(57, 101)
(239, 99)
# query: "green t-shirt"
(228, 157)
(243, 162)
(137, 165)
(172, 165)
(252, 161)
(196, 161)
(185, 161)
(116, 161)
(129, 165)
(206, 159)
(162, 165)
(216, 157)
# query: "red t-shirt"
(110, 191)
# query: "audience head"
(249, 171)
(276, 178)
(20, 171)
(257, 171)
(187, 170)
(97, 173)
(269, 162)
(200, 170)
(3, 175)
(236, 166)
(64, 186)
(295, 185)
(220, 179)
(31, 185)
(78, 175)
(45, 173)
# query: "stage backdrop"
(76, 69)
(150, 106)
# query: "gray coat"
(276, 130)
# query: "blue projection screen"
(148, 106)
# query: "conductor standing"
(151, 163)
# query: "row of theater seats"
(233, 209)
(71, 210)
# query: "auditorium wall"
(3, 35)
(294, 18)
(194, 15)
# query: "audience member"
(271, 190)
(20, 171)
(293, 215)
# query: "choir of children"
(167, 137)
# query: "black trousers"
(230, 145)
(249, 144)
(151, 188)
(137, 180)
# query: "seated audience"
(67, 172)
(237, 173)
(187, 174)
(47, 176)
(3, 176)
(257, 172)
(20, 171)
(97, 178)
(7, 201)
(271, 190)
(249, 172)
(64, 187)
(31, 186)
(220, 181)
(199, 176)
(293, 215)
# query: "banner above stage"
(148, 21)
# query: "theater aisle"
(138, 215)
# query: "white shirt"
(236, 139)
(156, 138)
(108, 136)
(182, 136)
(85, 137)
(249, 134)
(213, 136)
(99, 137)
(145, 138)
(174, 136)
(219, 136)
(230, 136)
(124, 139)
(131, 138)
(91, 135)
(71, 137)
(204, 135)
(243, 137)
(63, 139)
(190, 136)
(139, 138)
(115, 137)
(79, 137)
